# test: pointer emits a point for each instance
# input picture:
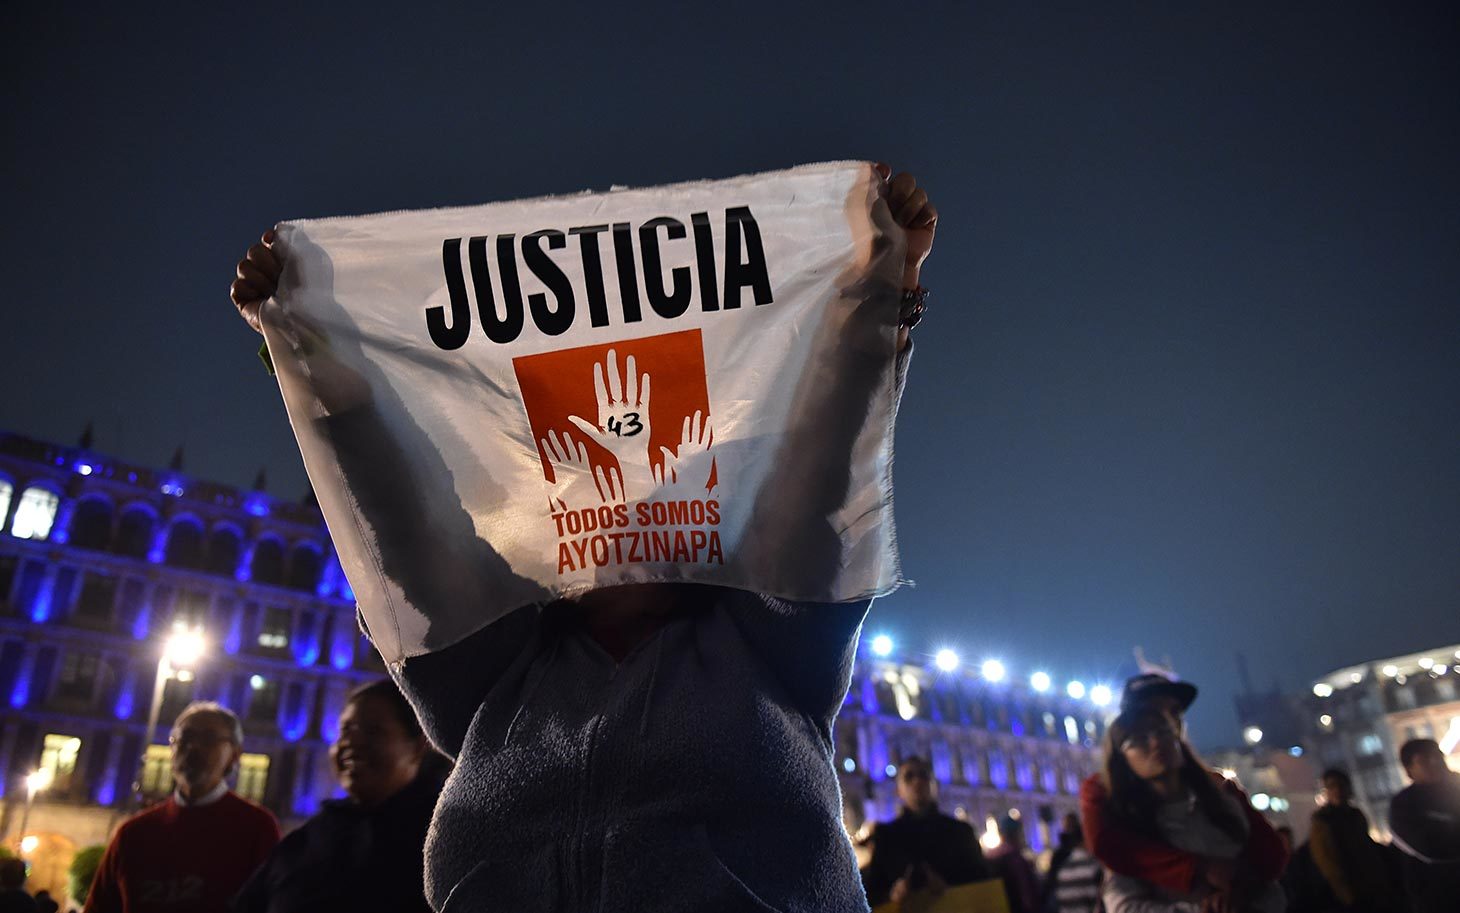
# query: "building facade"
(996, 747)
(99, 562)
(1359, 716)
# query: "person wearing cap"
(1139, 853)
(1160, 797)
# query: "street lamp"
(182, 649)
(36, 781)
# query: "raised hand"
(623, 420)
(689, 466)
(569, 462)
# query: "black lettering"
(453, 336)
(498, 329)
(554, 322)
(628, 281)
(705, 260)
(593, 272)
(666, 303)
(752, 272)
(511, 286)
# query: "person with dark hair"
(1072, 884)
(1010, 861)
(193, 851)
(646, 747)
(1425, 819)
(1159, 791)
(1138, 852)
(922, 850)
(362, 853)
(1351, 863)
(13, 898)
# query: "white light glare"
(1325, 721)
(1391, 670)
(1261, 801)
(993, 670)
(1229, 773)
(1075, 689)
(1039, 681)
(256, 682)
(882, 645)
(1252, 735)
(28, 843)
(1101, 695)
(39, 780)
(946, 660)
(1323, 689)
(1425, 662)
(184, 647)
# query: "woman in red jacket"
(1174, 834)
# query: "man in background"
(922, 849)
(1425, 819)
(194, 850)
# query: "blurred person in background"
(1351, 863)
(363, 853)
(922, 850)
(1010, 861)
(195, 849)
(1425, 819)
(1072, 884)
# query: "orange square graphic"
(619, 407)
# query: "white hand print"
(689, 466)
(623, 420)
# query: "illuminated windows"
(253, 776)
(34, 514)
(58, 758)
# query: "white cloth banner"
(502, 404)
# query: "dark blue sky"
(1190, 379)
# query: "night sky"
(1189, 379)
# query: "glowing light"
(1040, 682)
(1390, 670)
(946, 660)
(1325, 721)
(1425, 662)
(85, 469)
(1356, 677)
(28, 843)
(1261, 801)
(990, 839)
(184, 646)
(1440, 670)
(849, 765)
(184, 675)
(891, 770)
(256, 682)
(1229, 773)
(1075, 689)
(993, 670)
(1101, 696)
(39, 780)
(1322, 689)
(1252, 735)
(882, 645)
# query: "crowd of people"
(668, 747)
(1161, 832)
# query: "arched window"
(223, 547)
(134, 532)
(91, 524)
(268, 562)
(35, 513)
(304, 567)
(184, 544)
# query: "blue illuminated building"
(996, 748)
(98, 561)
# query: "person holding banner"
(645, 747)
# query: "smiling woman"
(362, 852)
